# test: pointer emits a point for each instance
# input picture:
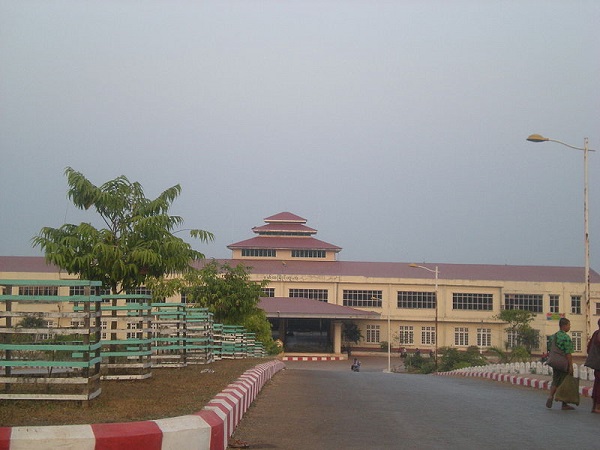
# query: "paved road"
(323, 405)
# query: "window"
(268, 292)
(576, 337)
(141, 290)
(407, 334)
(484, 337)
(474, 302)
(416, 300)
(184, 297)
(138, 291)
(316, 294)
(38, 290)
(461, 336)
(362, 299)
(575, 304)
(373, 334)
(554, 303)
(134, 326)
(428, 335)
(77, 323)
(512, 339)
(308, 253)
(76, 290)
(259, 252)
(598, 309)
(526, 302)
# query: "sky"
(396, 128)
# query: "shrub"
(452, 358)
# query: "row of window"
(427, 300)
(373, 298)
(315, 294)
(308, 253)
(272, 253)
(52, 291)
(462, 336)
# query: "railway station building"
(312, 292)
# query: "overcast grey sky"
(396, 128)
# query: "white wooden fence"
(522, 368)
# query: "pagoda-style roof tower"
(285, 236)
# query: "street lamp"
(436, 272)
(389, 338)
(586, 236)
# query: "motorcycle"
(355, 367)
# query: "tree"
(137, 243)
(231, 296)
(351, 334)
(516, 354)
(519, 327)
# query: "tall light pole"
(586, 235)
(436, 272)
(389, 338)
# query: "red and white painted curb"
(586, 391)
(208, 429)
(313, 358)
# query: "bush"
(428, 366)
(452, 358)
(516, 354)
(413, 362)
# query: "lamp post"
(586, 235)
(389, 369)
(436, 272)
(389, 338)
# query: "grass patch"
(168, 393)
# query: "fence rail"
(58, 339)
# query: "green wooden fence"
(49, 340)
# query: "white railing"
(525, 368)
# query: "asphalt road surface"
(323, 405)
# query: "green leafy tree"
(351, 335)
(137, 243)
(519, 325)
(31, 321)
(232, 297)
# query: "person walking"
(593, 361)
(563, 343)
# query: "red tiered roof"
(285, 217)
(284, 231)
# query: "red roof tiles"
(454, 272)
(285, 242)
(287, 307)
(285, 217)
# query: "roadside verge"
(208, 429)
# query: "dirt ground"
(170, 392)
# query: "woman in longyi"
(593, 361)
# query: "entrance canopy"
(305, 308)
